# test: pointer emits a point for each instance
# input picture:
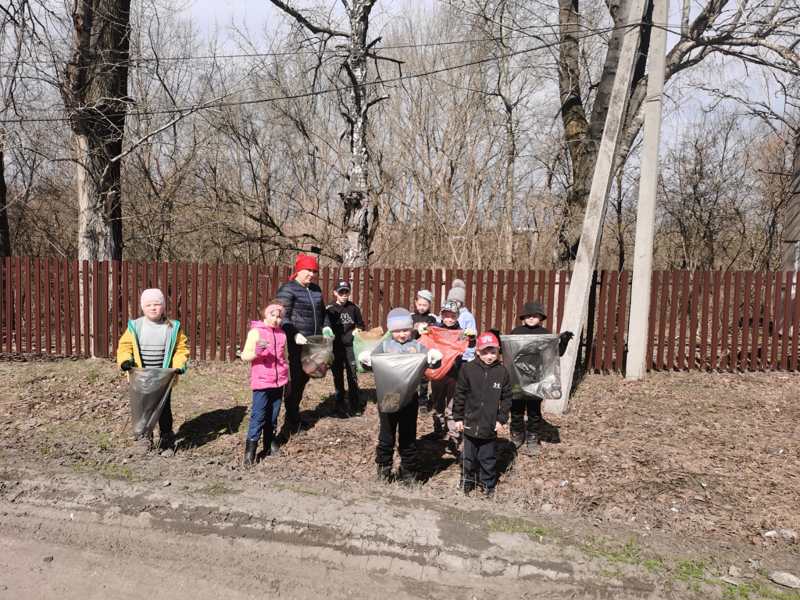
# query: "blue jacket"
(466, 320)
(304, 309)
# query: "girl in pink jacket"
(265, 350)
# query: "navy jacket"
(304, 309)
(483, 397)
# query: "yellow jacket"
(176, 357)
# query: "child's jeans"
(264, 413)
(443, 393)
(480, 455)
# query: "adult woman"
(304, 316)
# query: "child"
(265, 349)
(154, 341)
(458, 294)
(403, 423)
(443, 390)
(423, 318)
(483, 398)
(345, 317)
(533, 314)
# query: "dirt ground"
(684, 473)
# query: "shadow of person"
(548, 432)
(209, 426)
(432, 457)
(506, 453)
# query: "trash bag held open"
(367, 340)
(397, 378)
(533, 364)
(450, 342)
(316, 357)
(147, 394)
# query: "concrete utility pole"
(637, 362)
(578, 296)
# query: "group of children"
(470, 403)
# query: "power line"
(300, 95)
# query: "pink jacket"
(269, 368)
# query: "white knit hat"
(425, 295)
(151, 295)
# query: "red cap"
(304, 261)
(487, 340)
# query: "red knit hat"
(304, 261)
(487, 340)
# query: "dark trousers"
(344, 362)
(264, 413)
(403, 425)
(165, 420)
(297, 383)
(521, 404)
(480, 455)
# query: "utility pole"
(636, 364)
(586, 259)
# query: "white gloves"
(365, 358)
(300, 339)
(469, 332)
(434, 356)
(422, 328)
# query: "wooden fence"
(698, 320)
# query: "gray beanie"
(399, 318)
(459, 294)
(459, 283)
(425, 295)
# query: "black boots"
(406, 476)
(384, 472)
(250, 452)
(271, 445)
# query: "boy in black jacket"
(533, 314)
(345, 317)
(480, 409)
(422, 319)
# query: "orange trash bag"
(450, 342)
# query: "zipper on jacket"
(313, 309)
(275, 349)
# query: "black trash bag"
(533, 364)
(147, 394)
(316, 356)
(397, 378)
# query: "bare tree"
(96, 98)
(360, 214)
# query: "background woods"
(462, 133)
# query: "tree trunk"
(5, 232)
(95, 96)
(359, 213)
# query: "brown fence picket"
(611, 320)
(651, 322)
(755, 328)
(26, 265)
(776, 322)
(744, 320)
(8, 286)
(693, 318)
(375, 297)
(704, 299)
(682, 324)
(795, 321)
(68, 316)
(562, 291)
(735, 321)
(724, 362)
(479, 305)
(500, 300)
(59, 304)
(600, 323)
(233, 333)
(716, 323)
(36, 287)
(622, 321)
(666, 282)
(489, 320)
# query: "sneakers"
(406, 476)
(438, 425)
(467, 484)
(532, 447)
(518, 438)
(488, 493)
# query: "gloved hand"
(458, 425)
(565, 336)
(128, 365)
(180, 370)
(300, 339)
(327, 332)
(434, 356)
(365, 358)
(469, 332)
(422, 328)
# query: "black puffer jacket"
(304, 309)
(483, 397)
